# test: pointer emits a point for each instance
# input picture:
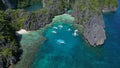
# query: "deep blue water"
(63, 50)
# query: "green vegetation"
(32, 20)
(22, 3)
(83, 10)
(60, 7)
(17, 18)
(7, 52)
(108, 3)
(8, 44)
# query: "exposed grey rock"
(94, 31)
(92, 21)
(35, 21)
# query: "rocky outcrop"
(44, 16)
(88, 14)
(35, 21)
(109, 5)
(6, 62)
(94, 31)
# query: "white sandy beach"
(22, 31)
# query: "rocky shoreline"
(106, 10)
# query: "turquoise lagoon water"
(64, 50)
(34, 7)
(60, 50)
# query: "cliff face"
(38, 19)
(34, 21)
(94, 31)
(9, 46)
(88, 14)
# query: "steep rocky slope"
(89, 15)
(9, 46)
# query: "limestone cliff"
(35, 20)
(89, 15)
(9, 46)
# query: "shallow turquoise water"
(54, 54)
(63, 50)
(74, 52)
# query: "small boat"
(54, 32)
(75, 33)
(60, 26)
(55, 27)
(76, 30)
(69, 29)
(59, 41)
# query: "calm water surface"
(34, 7)
(64, 50)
